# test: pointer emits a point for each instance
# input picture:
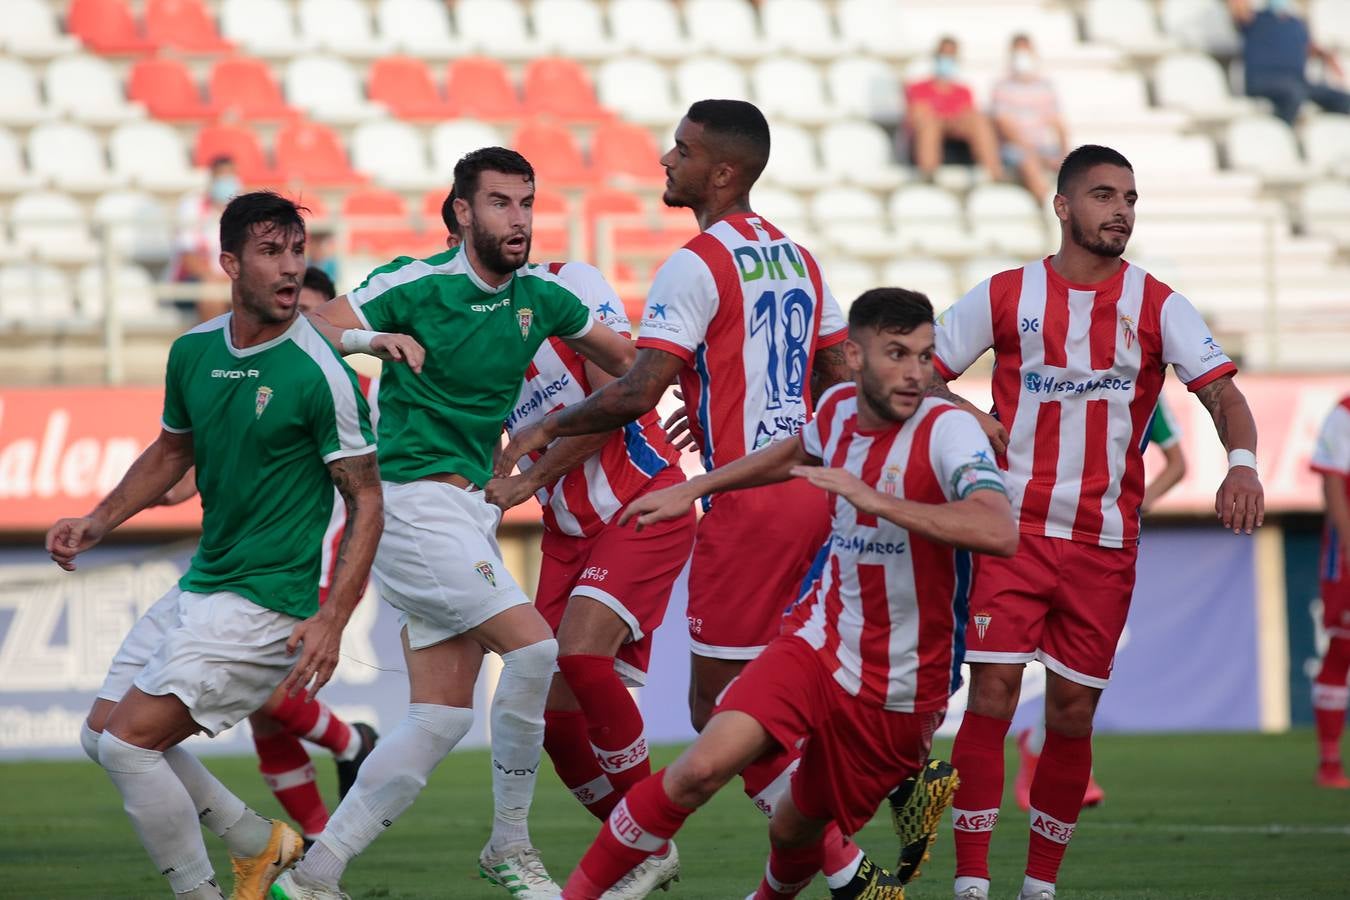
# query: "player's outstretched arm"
(1240, 503)
(613, 406)
(357, 479)
(602, 345)
(336, 321)
(993, 428)
(152, 474)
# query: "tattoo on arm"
(1211, 395)
(622, 401)
(830, 367)
(938, 388)
(353, 476)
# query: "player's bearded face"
(687, 167)
(502, 222)
(896, 370)
(271, 267)
(1101, 211)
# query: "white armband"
(1241, 458)
(355, 340)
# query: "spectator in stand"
(1276, 45)
(941, 108)
(197, 247)
(323, 252)
(1032, 136)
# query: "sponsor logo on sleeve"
(1210, 349)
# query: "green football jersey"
(479, 342)
(265, 421)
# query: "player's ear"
(463, 212)
(1061, 205)
(853, 354)
(723, 174)
(230, 263)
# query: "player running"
(481, 313)
(1330, 695)
(270, 415)
(1082, 339)
(864, 675)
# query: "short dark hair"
(317, 279)
(947, 39)
(488, 159)
(890, 309)
(1080, 159)
(739, 128)
(448, 212)
(258, 208)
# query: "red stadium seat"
(167, 89)
(628, 151)
(391, 235)
(406, 86)
(551, 241)
(561, 88)
(312, 202)
(313, 154)
(554, 153)
(481, 88)
(245, 88)
(240, 144)
(183, 25)
(634, 232)
(107, 26)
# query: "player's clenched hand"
(526, 440)
(320, 639)
(509, 492)
(993, 429)
(1241, 502)
(69, 538)
(839, 481)
(399, 348)
(658, 506)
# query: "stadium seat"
(137, 224)
(1265, 145)
(639, 90)
(620, 226)
(394, 154)
(1006, 218)
(240, 144)
(168, 90)
(29, 29)
(865, 88)
(551, 240)
(133, 291)
(848, 278)
(312, 153)
(978, 268)
(1117, 98)
(861, 153)
(623, 150)
(107, 27)
(789, 212)
(35, 294)
(416, 27)
(328, 89)
(725, 28)
(152, 155)
(342, 27)
(15, 176)
(480, 87)
(574, 29)
(791, 90)
(313, 208)
(20, 102)
(872, 26)
(1201, 25)
(1326, 140)
(930, 277)
(1325, 209)
(405, 85)
(1329, 21)
(378, 221)
(802, 28)
(184, 25)
(244, 88)
(87, 88)
(929, 219)
(262, 27)
(1130, 25)
(451, 140)
(649, 29)
(793, 163)
(552, 150)
(613, 206)
(70, 157)
(432, 224)
(52, 227)
(561, 89)
(1196, 84)
(854, 222)
(496, 28)
(709, 76)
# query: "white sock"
(965, 882)
(518, 740)
(353, 746)
(845, 875)
(207, 890)
(1036, 738)
(1031, 886)
(89, 741)
(222, 813)
(160, 809)
(390, 779)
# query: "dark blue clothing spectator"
(1275, 50)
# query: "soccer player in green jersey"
(480, 313)
(272, 418)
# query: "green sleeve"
(384, 299)
(339, 414)
(568, 316)
(175, 418)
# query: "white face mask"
(1023, 62)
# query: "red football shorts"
(1062, 602)
(855, 752)
(1335, 588)
(753, 549)
(629, 571)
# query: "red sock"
(1056, 799)
(289, 772)
(614, 724)
(642, 824)
(978, 756)
(837, 851)
(789, 871)
(567, 745)
(314, 721)
(1330, 696)
(767, 778)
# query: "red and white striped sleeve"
(964, 332)
(1188, 345)
(1332, 455)
(680, 305)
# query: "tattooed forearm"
(621, 401)
(938, 388)
(830, 367)
(1211, 395)
(357, 479)
(1233, 420)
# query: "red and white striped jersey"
(883, 611)
(1077, 372)
(1332, 457)
(585, 499)
(746, 309)
(337, 521)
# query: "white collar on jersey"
(239, 352)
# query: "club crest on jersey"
(890, 482)
(484, 568)
(260, 401)
(1127, 326)
(524, 317)
(982, 621)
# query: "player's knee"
(1070, 715)
(994, 692)
(790, 832)
(696, 777)
(536, 660)
(116, 755)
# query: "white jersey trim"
(377, 285)
(347, 412)
(712, 651)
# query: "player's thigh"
(562, 557)
(788, 690)
(136, 650)
(444, 673)
(152, 722)
(591, 627)
(1009, 601)
(1088, 612)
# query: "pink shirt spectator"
(947, 99)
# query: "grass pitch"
(1186, 816)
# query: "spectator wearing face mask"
(197, 246)
(1276, 45)
(1032, 136)
(942, 108)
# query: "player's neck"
(246, 331)
(1079, 266)
(487, 276)
(712, 214)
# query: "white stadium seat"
(724, 27)
(978, 268)
(639, 90)
(262, 27)
(848, 277)
(1006, 218)
(70, 157)
(1265, 145)
(451, 140)
(394, 154)
(328, 88)
(87, 89)
(133, 292)
(416, 27)
(785, 209)
(1326, 140)
(649, 28)
(927, 276)
(35, 294)
(709, 76)
(854, 222)
(1329, 22)
(342, 27)
(1196, 84)
(20, 101)
(52, 227)
(1201, 25)
(1325, 208)
(15, 175)
(802, 28)
(793, 162)
(791, 90)
(866, 88)
(29, 29)
(861, 153)
(495, 28)
(929, 219)
(138, 226)
(153, 156)
(573, 28)
(873, 26)
(1130, 25)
